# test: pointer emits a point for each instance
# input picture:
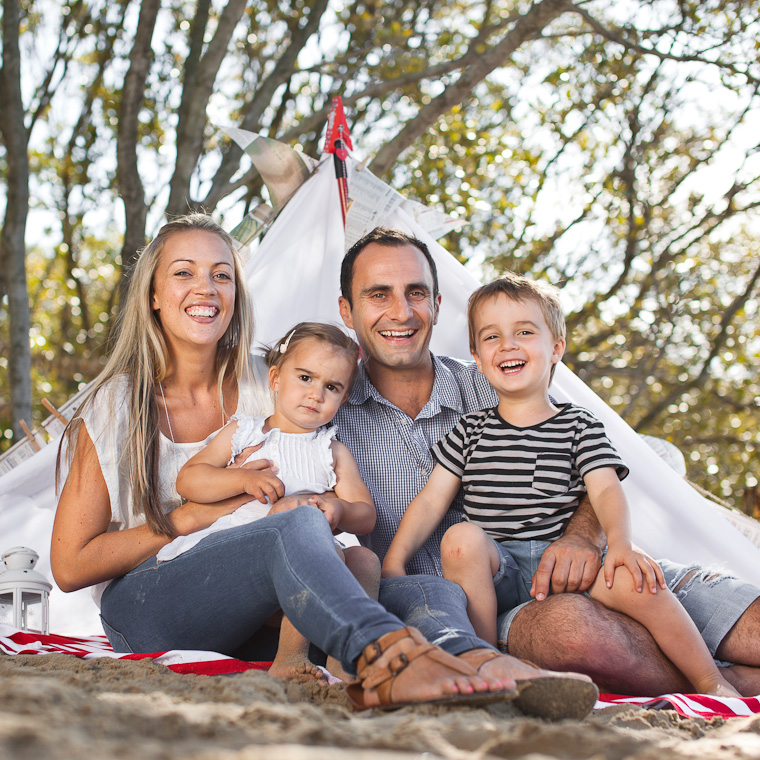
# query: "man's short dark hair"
(390, 239)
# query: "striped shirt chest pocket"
(552, 473)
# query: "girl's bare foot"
(296, 669)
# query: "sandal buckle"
(372, 652)
(398, 663)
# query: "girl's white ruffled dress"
(304, 463)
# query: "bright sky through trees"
(610, 147)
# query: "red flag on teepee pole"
(338, 142)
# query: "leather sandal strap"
(476, 659)
(377, 674)
(374, 650)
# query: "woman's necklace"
(166, 410)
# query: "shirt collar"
(445, 393)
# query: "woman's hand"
(287, 503)
(193, 516)
(239, 460)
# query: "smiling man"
(404, 400)
(397, 411)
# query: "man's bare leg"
(742, 643)
(575, 633)
(742, 646)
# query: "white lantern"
(23, 591)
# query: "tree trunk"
(200, 78)
(130, 184)
(12, 247)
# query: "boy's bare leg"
(470, 559)
(670, 625)
(364, 564)
(292, 660)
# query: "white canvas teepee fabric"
(293, 276)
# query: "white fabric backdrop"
(294, 276)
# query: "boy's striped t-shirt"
(525, 483)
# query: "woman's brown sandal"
(395, 676)
(549, 697)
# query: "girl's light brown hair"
(276, 355)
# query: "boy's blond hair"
(518, 288)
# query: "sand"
(57, 706)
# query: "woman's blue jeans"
(220, 592)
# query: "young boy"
(525, 465)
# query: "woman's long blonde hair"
(139, 355)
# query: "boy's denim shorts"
(714, 601)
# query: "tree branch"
(717, 344)
(616, 36)
(254, 110)
(200, 77)
(529, 26)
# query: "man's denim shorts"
(714, 601)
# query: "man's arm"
(573, 561)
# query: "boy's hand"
(331, 508)
(639, 564)
(261, 481)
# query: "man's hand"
(243, 455)
(571, 563)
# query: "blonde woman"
(179, 370)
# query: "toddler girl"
(311, 371)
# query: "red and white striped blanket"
(14, 641)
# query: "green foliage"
(614, 153)
(69, 333)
